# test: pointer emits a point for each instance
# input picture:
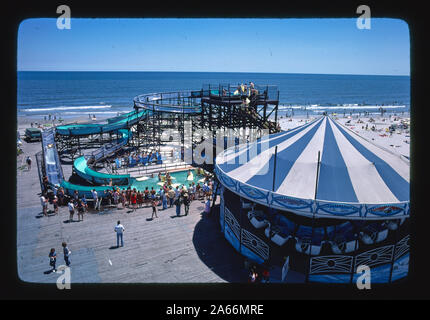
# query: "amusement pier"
(303, 203)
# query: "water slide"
(80, 165)
(113, 124)
(53, 168)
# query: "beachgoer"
(52, 259)
(115, 198)
(198, 191)
(133, 199)
(71, 210)
(119, 229)
(76, 195)
(171, 195)
(96, 200)
(128, 196)
(45, 183)
(139, 198)
(186, 203)
(28, 160)
(207, 205)
(44, 203)
(154, 208)
(178, 206)
(84, 203)
(66, 253)
(253, 275)
(164, 199)
(60, 195)
(122, 198)
(81, 209)
(146, 195)
(55, 204)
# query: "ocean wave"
(62, 108)
(92, 112)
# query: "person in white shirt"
(119, 229)
(71, 210)
(96, 200)
(44, 203)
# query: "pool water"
(177, 177)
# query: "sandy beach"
(397, 142)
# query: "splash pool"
(178, 177)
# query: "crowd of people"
(166, 196)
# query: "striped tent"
(320, 169)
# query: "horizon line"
(346, 74)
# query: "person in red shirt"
(133, 200)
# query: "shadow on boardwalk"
(216, 252)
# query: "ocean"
(105, 94)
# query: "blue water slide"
(81, 168)
(52, 162)
(122, 122)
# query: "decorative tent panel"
(331, 264)
(255, 244)
(375, 257)
(231, 229)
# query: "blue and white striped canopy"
(356, 178)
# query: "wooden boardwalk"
(168, 249)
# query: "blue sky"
(326, 46)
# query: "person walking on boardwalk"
(71, 210)
(139, 198)
(115, 198)
(52, 259)
(119, 229)
(133, 200)
(81, 209)
(171, 195)
(178, 206)
(146, 195)
(154, 208)
(84, 202)
(60, 195)
(28, 160)
(96, 200)
(164, 199)
(44, 203)
(55, 204)
(186, 203)
(66, 253)
(208, 205)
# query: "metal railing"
(266, 92)
(147, 169)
